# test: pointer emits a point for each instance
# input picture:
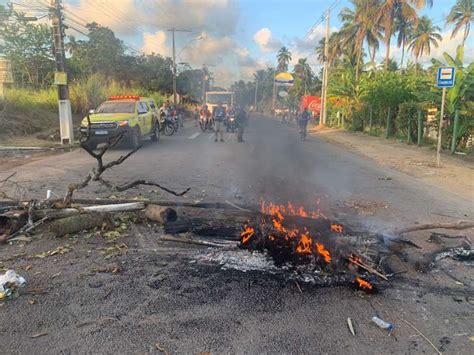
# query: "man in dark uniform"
(219, 115)
(241, 120)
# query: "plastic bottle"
(383, 324)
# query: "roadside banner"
(284, 79)
(313, 103)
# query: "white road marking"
(197, 134)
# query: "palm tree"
(304, 72)
(335, 49)
(424, 35)
(360, 25)
(284, 58)
(461, 15)
(404, 28)
(389, 10)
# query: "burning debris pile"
(310, 244)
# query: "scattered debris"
(74, 224)
(383, 324)
(62, 249)
(160, 214)
(160, 348)
(170, 238)
(38, 335)
(424, 336)
(10, 282)
(351, 327)
(458, 225)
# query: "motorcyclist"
(219, 115)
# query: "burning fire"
(336, 228)
(323, 252)
(289, 210)
(302, 240)
(363, 284)
(304, 246)
(247, 234)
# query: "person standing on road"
(219, 116)
(241, 119)
(303, 121)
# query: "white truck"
(213, 98)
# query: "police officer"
(219, 115)
(241, 120)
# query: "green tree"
(461, 15)
(360, 25)
(28, 46)
(424, 36)
(101, 53)
(284, 58)
(389, 10)
(304, 74)
(404, 30)
(335, 49)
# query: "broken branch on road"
(96, 173)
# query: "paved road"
(272, 164)
(188, 307)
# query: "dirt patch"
(455, 173)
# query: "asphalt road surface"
(164, 296)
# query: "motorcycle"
(205, 121)
(168, 126)
(231, 123)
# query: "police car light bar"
(125, 97)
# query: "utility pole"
(174, 30)
(205, 78)
(256, 93)
(324, 89)
(65, 115)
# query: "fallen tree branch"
(423, 335)
(458, 225)
(169, 238)
(96, 173)
(141, 182)
(367, 268)
(68, 212)
(210, 205)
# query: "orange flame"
(247, 234)
(323, 252)
(304, 245)
(336, 228)
(363, 284)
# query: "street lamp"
(187, 44)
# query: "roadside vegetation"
(384, 98)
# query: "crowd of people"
(219, 116)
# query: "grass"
(26, 112)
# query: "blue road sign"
(445, 78)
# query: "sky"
(233, 37)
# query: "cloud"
(131, 17)
(266, 42)
(122, 16)
(210, 49)
(450, 45)
(155, 43)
